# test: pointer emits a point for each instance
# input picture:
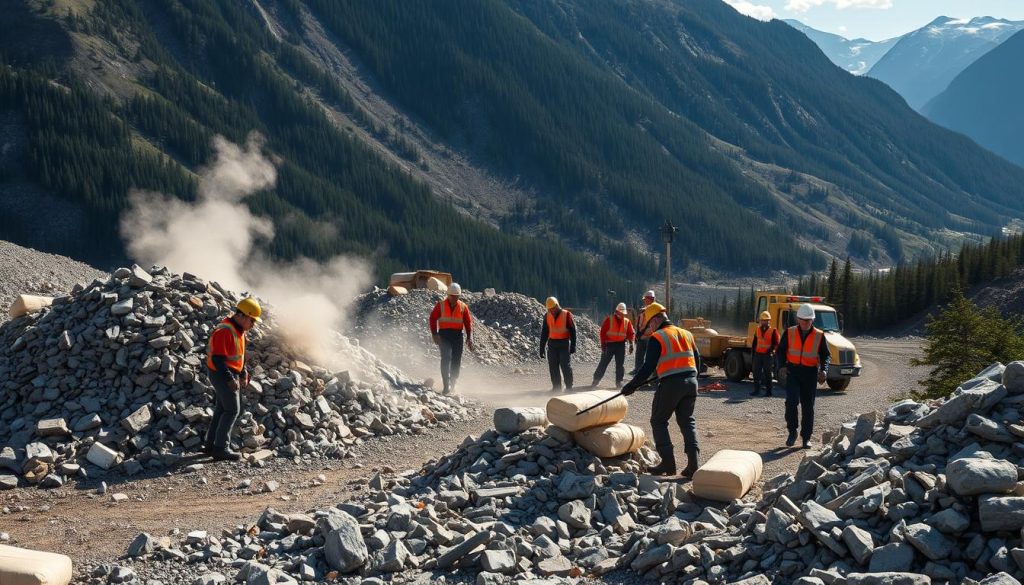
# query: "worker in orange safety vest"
(804, 353)
(673, 355)
(558, 341)
(449, 319)
(766, 339)
(225, 364)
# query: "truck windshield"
(826, 321)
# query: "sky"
(875, 19)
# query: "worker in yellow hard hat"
(558, 338)
(643, 333)
(225, 364)
(766, 340)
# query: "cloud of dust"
(216, 236)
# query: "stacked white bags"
(600, 430)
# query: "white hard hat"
(806, 311)
(649, 295)
(621, 308)
(455, 290)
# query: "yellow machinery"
(733, 353)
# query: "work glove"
(822, 377)
(604, 347)
(469, 344)
(572, 349)
(542, 353)
(233, 384)
(629, 388)
(436, 338)
(245, 379)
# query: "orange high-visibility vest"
(452, 319)
(764, 341)
(805, 354)
(558, 327)
(234, 354)
(616, 333)
(677, 355)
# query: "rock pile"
(926, 492)
(506, 328)
(114, 375)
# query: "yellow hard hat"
(652, 310)
(766, 315)
(250, 308)
(551, 303)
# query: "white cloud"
(757, 11)
(842, 29)
(805, 5)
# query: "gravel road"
(90, 527)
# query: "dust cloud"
(217, 237)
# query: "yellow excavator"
(733, 353)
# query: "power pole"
(668, 232)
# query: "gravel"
(28, 271)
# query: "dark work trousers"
(451, 356)
(611, 350)
(675, 395)
(558, 363)
(762, 364)
(226, 405)
(641, 351)
(801, 389)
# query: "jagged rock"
(887, 579)
(932, 543)
(1001, 513)
(973, 476)
(344, 547)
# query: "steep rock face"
(923, 63)
(984, 101)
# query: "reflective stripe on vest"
(677, 356)
(558, 327)
(616, 333)
(236, 360)
(450, 319)
(764, 342)
(805, 354)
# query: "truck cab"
(845, 363)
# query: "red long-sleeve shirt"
(630, 332)
(467, 320)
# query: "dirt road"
(90, 527)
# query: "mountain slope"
(923, 63)
(527, 144)
(857, 56)
(984, 102)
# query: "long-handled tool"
(613, 397)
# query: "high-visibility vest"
(677, 351)
(558, 327)
(805, 354)
(764, 339)
(452, 319)
(236, 359)
(616, 332)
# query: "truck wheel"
(838, 385)
(735, 369)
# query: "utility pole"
(668, 232)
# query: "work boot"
(667, 465)
(692, 463)
(593, 384)
(225, 454)
(447, 390)
(791, 439)
(556, 389)
(808, 444)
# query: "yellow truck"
(733, 353)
